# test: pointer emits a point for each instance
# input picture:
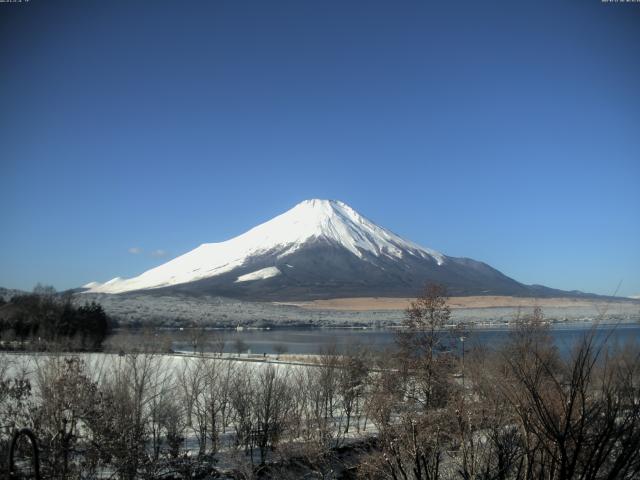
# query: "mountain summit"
(318, 249)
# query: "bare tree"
(66, 401)
(129, 396)
(280, 349)
(410, 401)
(241, 397)
(240, 346)
(16, 402)
(173, 423)
(580, 417)
(216, 341)
(193, 386)
(272, 406)
(422, 343)
(353, 375)
(216, 381)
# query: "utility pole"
(462, 339)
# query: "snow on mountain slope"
(308, 221)
(261, 274)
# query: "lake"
(311, 341)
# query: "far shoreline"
(364, 304)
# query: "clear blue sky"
(508, 132)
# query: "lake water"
(311, 341)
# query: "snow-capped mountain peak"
(337, 221)
(309, 221)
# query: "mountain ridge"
(316, 250)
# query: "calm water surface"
(310, 341)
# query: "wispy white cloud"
(158, 253)
(135, 250)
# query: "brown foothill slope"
(493, 301)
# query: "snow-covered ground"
(100, 363)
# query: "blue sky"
(508, 132)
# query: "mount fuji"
(317, 250)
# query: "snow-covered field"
(99, 364)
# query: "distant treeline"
(43, 319)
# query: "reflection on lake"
(311, 341)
